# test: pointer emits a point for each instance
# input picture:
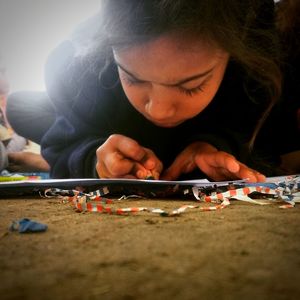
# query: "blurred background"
(29, 30)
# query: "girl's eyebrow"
(183, 81)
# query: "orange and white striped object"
(287, 191)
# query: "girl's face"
(170, 80)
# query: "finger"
(134, 153)
(115, 165)
(181, 165)
(250, 174)
(102, 170)
(124, 167)
(241, 170)
(152, 163)
(260, 177)
(220, 166)
(172, 173)
(218, 160)
(156, 174)
(127, 147)
(119, 166)
(104, 173)
(148, 161)
(244, 172)
(219, 174)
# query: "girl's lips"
(166, 123)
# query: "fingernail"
(261, 177)
(140, 174)
(251, 177)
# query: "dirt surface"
(244, 251)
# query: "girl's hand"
(122, 157)
(217, 165)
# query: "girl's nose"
(160, 106)
(159, 110)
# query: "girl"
(167, 88)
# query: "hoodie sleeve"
(80, 103)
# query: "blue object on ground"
(27, 225)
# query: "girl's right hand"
(123, 157)
(217, 165)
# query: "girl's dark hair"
(245, 29)
(288, 23)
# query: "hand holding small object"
(123, 157)
(217, 165)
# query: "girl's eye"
(193, 91)
(131, 81)
(189, 92)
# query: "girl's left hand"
(217, 165)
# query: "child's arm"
(27, 162)
(217, 165)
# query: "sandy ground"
(244, 251)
